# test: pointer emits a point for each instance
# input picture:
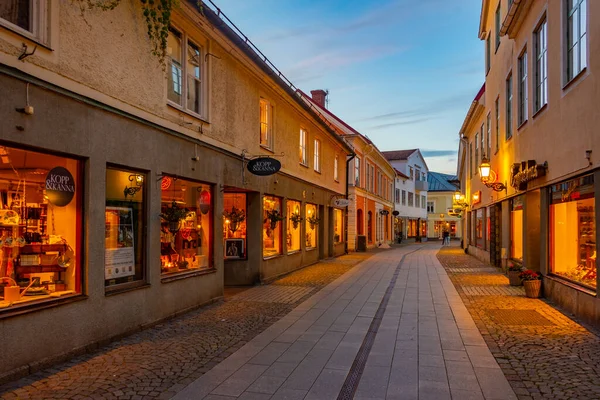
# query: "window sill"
(508, 139)
(310, 249)
(270, 150)
(272, 257)
(184, 275)
(115, 291)
(572, 284)
(232, 260)
(304, 165)
(574, 79)
(318, 172)
(26, 308)
(186, 111)
(522, 125)
(291, 253)
(538, 112)
(25, 35)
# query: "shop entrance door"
(495, 235)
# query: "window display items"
(271, 227)
(312, 220)
(293, 226)
(119, 257)
(337, 225)
(173, 215)
(234, 225)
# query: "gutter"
(352, 156)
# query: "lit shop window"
(124, 233)
(234, 225)
(293, 226)
(312, 224)
(272, 217)
(573, 231)
(185, 225)
(479, 227)
(516, 229)
(40, 228)
(338, 226)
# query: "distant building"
(410, 192)
(440, 215)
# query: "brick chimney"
(319, 97)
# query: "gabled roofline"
(471, 112)
(483, 19)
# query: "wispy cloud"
(438, 153)
(399, 123)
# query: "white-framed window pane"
(576, 37)
(541, 68)
(497, 106)
(317, 156)
(302, 151)
(265, 123)
(193, 78)
(404, 197)
(357, 171)
(489, 135)
(335, 168)
(175, 72)
(18, 12)
(509, 98)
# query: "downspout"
(348, 160)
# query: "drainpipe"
(348, 160)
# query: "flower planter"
(533, 288)
(513, 278)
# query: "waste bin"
(361, 243)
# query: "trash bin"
(361, 243)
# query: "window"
(482, 138)
(498, 25)
(185, 75)
(391, 191)
(335, 168)
(338, 226)
(410, 199)
(380, 184)
(488, 50)
(372, 186)
(266, 124)
(423, 201)
(476, 150)
(404, 197)
(293, 226)
(357, 171)
(509, 96)
(26, 17)
(302, 153)
(312, 222)
(412, 178)
(272, 226)
(41, 230)
(522, 117)
(489, 135)
(234, 225)
(471, 159)
(397, 196)
(541, 66)
(576, 37)
(497, 109)
(423, 177)
(317, 160)
(186, 226)
(418, 201)
(370, 227)
(125, 227)
(479, 228)
(430, 207)
(516, 228)
(573, 231)
(417, 174)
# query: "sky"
(401, 72)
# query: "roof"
(398, 154)
(439, 182)
(401, 174)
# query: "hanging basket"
(513, 278)
(174, 226)
(533, 288)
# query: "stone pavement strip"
(394, 327)
(160, 361)
(543, 353)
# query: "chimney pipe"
(319, 97)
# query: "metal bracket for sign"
(247, 157)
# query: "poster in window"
(119, 256)
(234, 248)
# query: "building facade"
(536, 123)
(442, 213)
(410, 192)
(130, 193)
(370, 183)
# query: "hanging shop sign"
(384, 212)
(165, 182)
(395, 213)
(264, 166)
(341, 203)
(204, 201)
(60, 186)
(476, 197)
(526, 171)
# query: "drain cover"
(518, 317)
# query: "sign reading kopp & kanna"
(526, 171)
(264, 166)
(60, 186)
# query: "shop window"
(516, 229)
(234, 225)
(573, 231)
(479, 227)
(488, 213)
(338, 226)
(370, 227)
(293, 226)
(312, 222)
(125, 227)
(272, 230)
(359, 222)
(40, 227)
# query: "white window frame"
(431, 207)
(417, 201)
(269, 123)
(423, 202)
(523, 96)
(489, 135)
(403, 197)
(39, 21)
(497, 107)
(317, 155)
(498, 21)
(476, 148)
(509, 105)
(335, 169)
(303, 137)
(357, 171)
(576, 54)
(488, 51)
(541, 65)
(411, 202)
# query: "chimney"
(319, 97)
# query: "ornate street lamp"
(459, 200)
(488, 176)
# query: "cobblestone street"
(543, 353)
(158, 362)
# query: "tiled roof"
(398, 154)
(441, 182)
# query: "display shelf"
(36, 269)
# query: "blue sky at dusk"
(402, 72)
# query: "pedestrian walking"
(445, 237)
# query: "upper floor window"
(576, 37)
(488, 50)
(184, 73)
(477, 148)
(471, 159)
(412, 177)
(26, 17)
(509, 97)
(417, 174)
(335, 168)
(482, 138)
(372, 184)
(417, 201)
(430, 207)
(404, 197)
(302, 150)
(423, 176)
(266, 124)
(498, 25)
(522, 117)
(423, 201)
(541, 66)
(489, 135)
(317, 160)
(357, 171)
(410, 199)
(497, 110)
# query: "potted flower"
(296, 219)
(273, 217)
(173, 216)
(532, 282)
(235, 217)
(313, 220)
(513, 275)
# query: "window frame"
(303, 153)
(335, 168)
(523, 96)
(357, 171)
(498, 22)
(509, 106)
(489, 134)
(403, 197)
(431, 207)
(497, 106)
(582, 61)
(40, 24)
(488, 51)
(269, 145)
(317, 155)
(541, 63)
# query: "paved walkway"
(543, 353)
(394, 327)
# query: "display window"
(312, 223)
(125, 227)
(272, 227)
(516, 229)
(234, 225)
(338, 226)
(186, 226)
(293, 226)
(488, 228)
(573, 231)
(479, 227)
(40, 227)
